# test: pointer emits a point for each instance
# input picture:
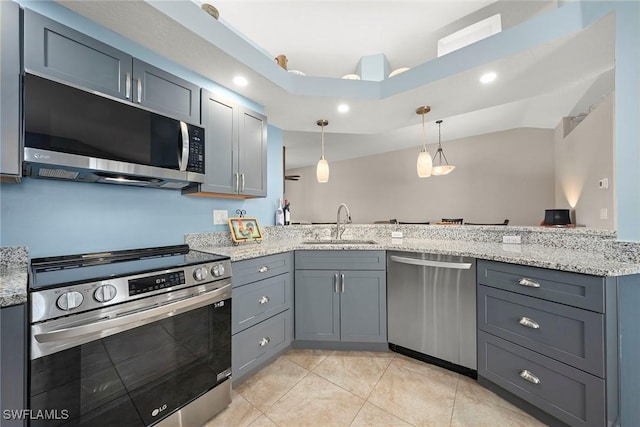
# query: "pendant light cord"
(424, 135)
(322, 142)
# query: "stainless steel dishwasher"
(431, 305)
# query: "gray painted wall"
(582, 158)
(507, 174)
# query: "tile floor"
(341, 388)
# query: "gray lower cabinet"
(10, 69)
(235, 151)
(13, 360)
(548, 338)
(346, 303)
(262, 314)
(57, 51)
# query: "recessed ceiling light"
(488, 77)
(343, 108)
(240, 81)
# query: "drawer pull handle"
(529, 323)
(528, 376)
(263, 269)
(530, 283)
(264, 341)
(263, 300)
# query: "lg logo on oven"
(156, 411)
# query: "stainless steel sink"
(339, 242)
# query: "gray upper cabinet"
(159, 90)
(59, 52)
(235, 151)
(10, 88)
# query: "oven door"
(133, 364)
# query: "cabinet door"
(166, 93)
(10, 88)
(54, 50)
(363, 306)
(317, 305)
(253, 154)
(221, 139)
(13, 357)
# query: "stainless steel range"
(136, 337)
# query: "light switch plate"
(604, 213)
(396, 234)
(220, 217)
(513, 240)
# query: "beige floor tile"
(356, 374)
(416, 398)
(469, 411)
(239, 413)
(308, 359)
(427, 369)
(267, 386)
(262, 421)
(476, 393)
(315, 401)
(372, 416)
(387, 354)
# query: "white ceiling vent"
(471, 34)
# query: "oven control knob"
(217, 270)
(105, 293)
(69, 300)
(200, 273)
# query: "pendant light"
(322, 170)
(438, 167)
(424, 158)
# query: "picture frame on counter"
(244, 229)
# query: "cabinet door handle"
(139, 91)
(528, 376)
(342, 282)
(335, 282)
(263, 269)
(242, 177)
(530, 283)
(263, 300)
(264, 341)
(529, 323)
(127, 85)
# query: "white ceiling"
(535, 88)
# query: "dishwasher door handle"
(429, 263)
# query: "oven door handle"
(137, 318)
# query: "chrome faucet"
(348, 220)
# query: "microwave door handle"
(183, 160)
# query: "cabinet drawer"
(254, 345)
(567, 334)
(252, 270)
(568, 394)
(258, 301)
(340, 260)
(578, 290)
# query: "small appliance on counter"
(557, 218)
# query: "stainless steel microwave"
(72, 134)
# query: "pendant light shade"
(424, 158)
(322, 170)
(439, 167)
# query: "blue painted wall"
(54, 217)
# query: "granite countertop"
(13, 275)
(13, 286)
(573, 260)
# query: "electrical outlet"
(604, 213)
(220, 217)
(513, 240)
(396, 234)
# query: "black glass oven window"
(64, 119)
(136, 377)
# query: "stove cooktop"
(68, 270)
